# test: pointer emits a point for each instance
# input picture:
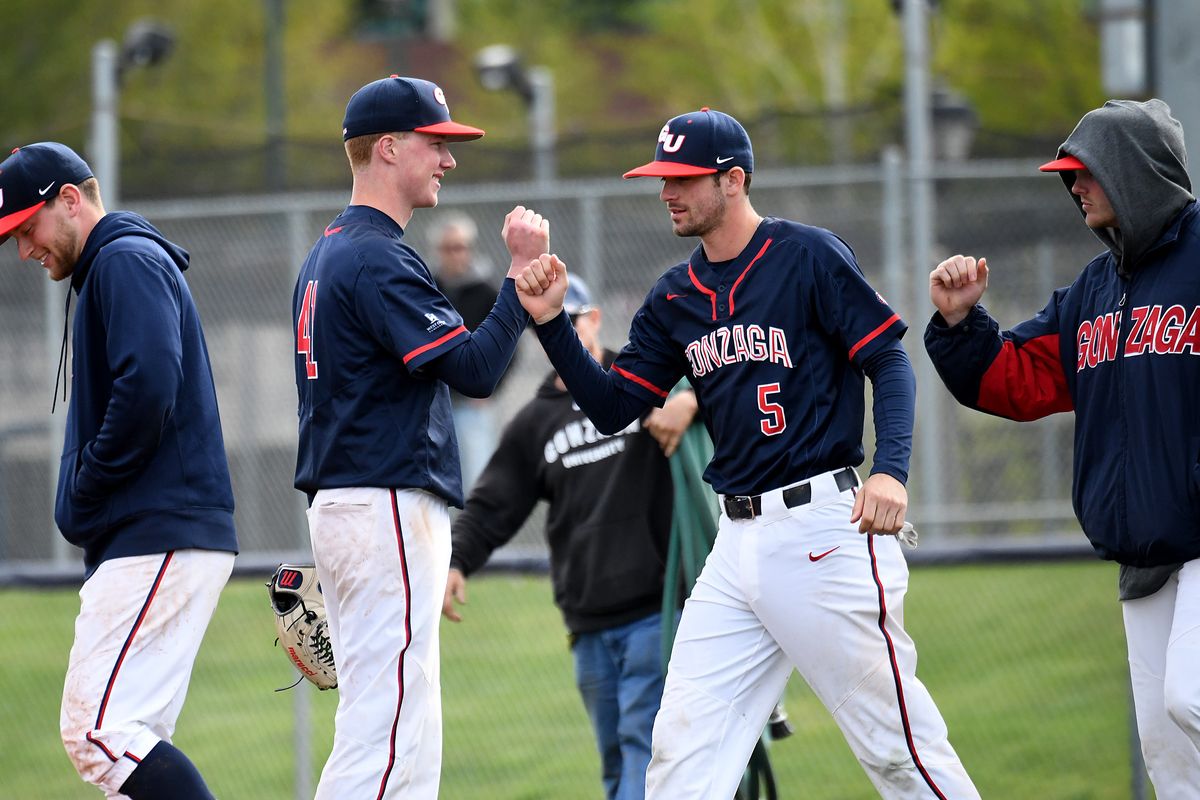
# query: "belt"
(750, 506)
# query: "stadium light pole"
(499, 68)
(918, 121)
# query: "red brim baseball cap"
(701, 142)
(667, 169)
(31, 176)
(1064, 164)
(11, 222)
(453, 131)
(396, 104)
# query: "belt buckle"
(739, 507)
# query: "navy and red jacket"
(1122, 349)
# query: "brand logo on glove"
(290, 579)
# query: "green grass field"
(1026, 662)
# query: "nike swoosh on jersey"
(332, 231)
(671, 296)
(811, 557)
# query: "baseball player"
(1118, 347)
(143, 486)
(775, 327)
(377, 346)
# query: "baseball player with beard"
(1118, 347)
(377, 346)
(776, 328)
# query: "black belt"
(749, 507)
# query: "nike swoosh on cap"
(43, 191)
(723, 160)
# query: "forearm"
(893, 409)
(596, 391)
(475, 367)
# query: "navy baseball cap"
(579, 298)
(31, 176)
(698, 143)
(402, 104)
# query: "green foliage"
(821, 78)
(1028, 66)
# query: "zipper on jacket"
(1126, 285)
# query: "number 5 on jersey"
(775, 421)
(304, 329)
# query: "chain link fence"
(1004, 486)
(998, 477)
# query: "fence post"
(298, 243)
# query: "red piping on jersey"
(891, 648)
(712, 296)
(864, 341)
(407, 641)
(766, 244)
(112, 678)
(645, 384)
(1027, 382)
(435, 343)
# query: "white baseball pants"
(382, 556)
(1162, 632)
(140, 624)
(799, 588)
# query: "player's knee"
(1182, 699)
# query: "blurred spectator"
(607, 527)
(460, 276)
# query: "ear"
(71, 198)
(388, 147)
(733, 181)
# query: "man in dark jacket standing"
(1119, 347)
(143, 484)
(607, 526)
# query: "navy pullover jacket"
(143, 465)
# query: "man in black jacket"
(607, 527)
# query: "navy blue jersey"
(773, 343)
(368, 316)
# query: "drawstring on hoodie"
(62, 357)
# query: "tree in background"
(821, 79)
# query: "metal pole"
(917, 129)
(893, 230)
(102, 147)
(276, 155)
(298, 243)
(53, 300)
(543, 135)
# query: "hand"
(456, 591)
(880, 505)
(955, 286)
(542, 287)
(526, 234)
(667, 424)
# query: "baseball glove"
(301, 622)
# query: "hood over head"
(1135, 151)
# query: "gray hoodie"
(1136, 152)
